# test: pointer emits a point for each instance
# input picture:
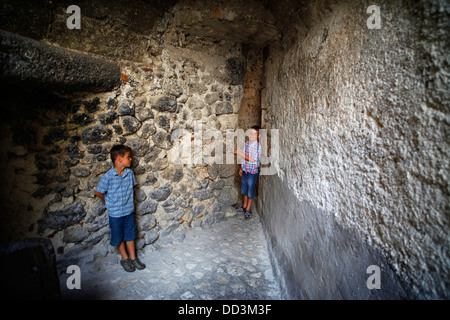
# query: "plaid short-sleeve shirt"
(253, 151)
(118, 191)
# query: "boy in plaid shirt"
(116, 189)
(249, 170)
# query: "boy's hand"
(240, 172)
(238, 153)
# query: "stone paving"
(227, 260)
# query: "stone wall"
(56, 145)
(363, 174)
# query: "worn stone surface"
(333, 260)
(236, 20)
(126, 24)
(225, 261)
(54, 68)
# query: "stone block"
(146, 207)
(223, 108)
(162, 193)
(139, 147)
(146, 222)
(229, 196)
(203, 194)
(130, 124)
(126, 108)
(166, 104)
(107, 118)
(61, 219)
(96, 134)
(151, 236)
(75, 234)
(170, 229)
(162, 140)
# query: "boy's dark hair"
(119, 150)
(257, 131)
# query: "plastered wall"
(363, 118)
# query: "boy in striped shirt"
(249, 170)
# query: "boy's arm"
(100, 195)
(102, 187)
(255, 154)
(247, 158)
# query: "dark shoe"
(240, 209)
(127, 265)
(138, 264)
(248, 214)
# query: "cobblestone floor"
(227, 260)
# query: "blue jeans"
(248, 184)
(122, 229)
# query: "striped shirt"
(253, 151)
(118, 191)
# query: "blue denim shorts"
(122, 229)
(248, 184)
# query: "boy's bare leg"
(130, 247)
(249, 204)
(123, 251)
(245, 201)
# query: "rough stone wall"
(56, 147)
(364, 121)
